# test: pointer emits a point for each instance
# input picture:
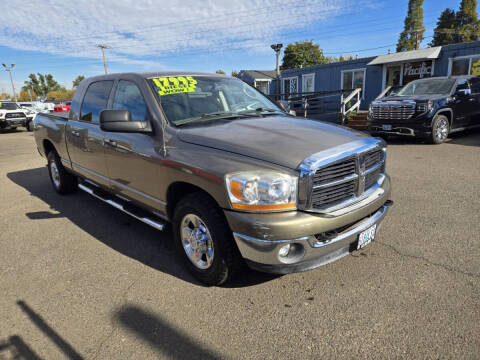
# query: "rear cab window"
(95, 100)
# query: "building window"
(290, 85)
(308, 83)
(262, 85)
(353, 79)
(465, 65)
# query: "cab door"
(85, 139)
(132, 158)
(464, 105)
(475, 89)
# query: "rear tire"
(63, 182)
(204, 241)
(440, 130)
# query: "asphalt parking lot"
(79, 279)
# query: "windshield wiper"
(213, 115)
(259, 110)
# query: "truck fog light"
(284, 250)
(291, 253)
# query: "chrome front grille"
(393, 111)
(14, 115)
(334, 172)
(331, 186)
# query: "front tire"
(440, 129)
(204, 240)
(29, 126)
(63, 182)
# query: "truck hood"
(413, 97)
(281, 140)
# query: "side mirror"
(463, 92)
(121, 121)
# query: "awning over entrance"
(407, 56)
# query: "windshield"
(186, 99)
(8, 106)
(431, 86)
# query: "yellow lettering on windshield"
(174, 85)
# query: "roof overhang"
(407, 56)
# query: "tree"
(77, 80)
(467, 22)
(444, 33)
(220, 72)
(42, 85)
(234, 73)
(61, 94)
(340, 58)
(25, 96)
(302, 54)
(412, 34)
(5, 96)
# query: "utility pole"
(277, 48)
(9, 69)
(103, 47)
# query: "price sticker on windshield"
(170, 85)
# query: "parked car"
(430, 108)
(30, 111)
(65, 107)
(236, 176)
(13, 116)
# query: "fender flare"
(444, 110)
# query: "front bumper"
(418, 126)
(317, 239)
(12, 123)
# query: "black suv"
(429, 108)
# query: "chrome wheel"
(55, 174)
(197, 241)
(441, 130)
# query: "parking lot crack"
(416, 257)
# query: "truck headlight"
(262, 191)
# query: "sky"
(62, 37)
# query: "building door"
(394, 75)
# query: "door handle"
(75, 133)
(110, 142)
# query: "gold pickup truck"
(240, 180)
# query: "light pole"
(277, 48)
(9, 69)
(103, 47)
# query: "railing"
(345, 102)
(323, 105)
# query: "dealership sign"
(419, 69)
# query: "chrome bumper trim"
(263, 254)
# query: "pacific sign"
(418, 69)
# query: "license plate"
(366, 236)
(387, 127)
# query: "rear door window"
(95, 100)
(129, 97)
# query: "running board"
(131, 210)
